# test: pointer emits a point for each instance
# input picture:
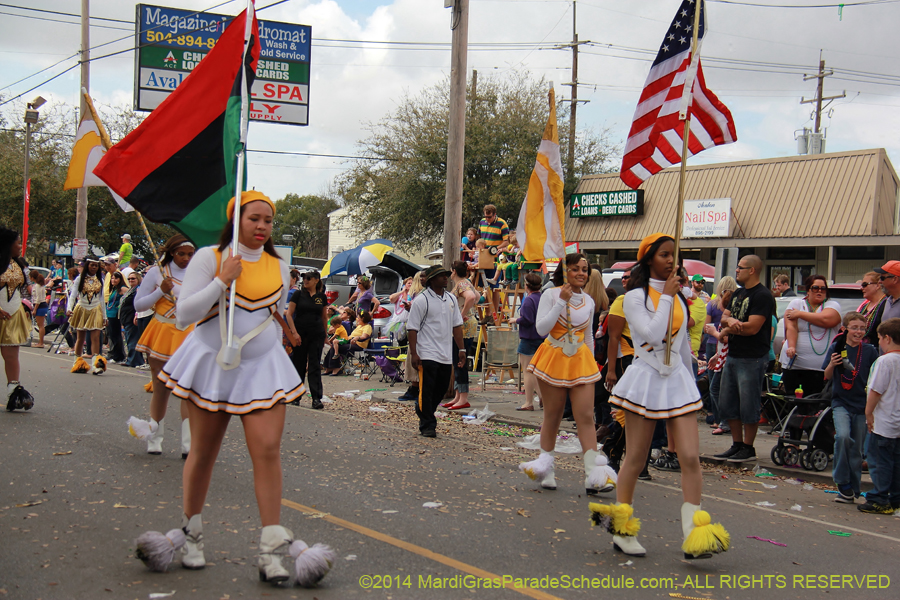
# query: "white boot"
(541, 469)
(192, 552)
(629, 545)
(712, 538)
(185, 437)
(274, 538)
(618, 520)
(154, 444)
(599, 476)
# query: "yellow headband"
(247, 198)
(649, 241)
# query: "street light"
(31, 117)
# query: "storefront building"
(834, 214)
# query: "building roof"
(841, 198)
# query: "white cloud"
(358, 84)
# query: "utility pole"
(573, 103)
(456, 142)
(81, 204)
(822, 74)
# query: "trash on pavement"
(377, 409)
(481, 415)
(839, 533)
(432, 505)
(797, 507)
(756, 537)
(765, 503)
(564, 445)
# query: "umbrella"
(359, 259)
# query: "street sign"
(171, 42)
(628, 203)
(79, 249)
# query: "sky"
(755, 55)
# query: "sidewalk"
(504, 399)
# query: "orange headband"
(247, 198)
(649, 241)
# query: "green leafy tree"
(305, 218)
(399, 193)
(52, 209)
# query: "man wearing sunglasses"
(747, 323)
(890, 281)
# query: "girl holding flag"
(251, 377)
(650, 390)
(160, 290)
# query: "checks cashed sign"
(171, 42)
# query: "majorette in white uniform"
(649, 387)
(264, 375)
(550, 362)
(652, 389)
(163, 336)
(567, 360)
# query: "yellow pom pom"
(701, 518)
(148, 387)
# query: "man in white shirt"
(434, 324)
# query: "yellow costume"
(552, 362)
(87, 304)
(162, 337)
(14, 331)
(263, 376)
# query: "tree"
(399, 192)
(305, 218)
(52, 209)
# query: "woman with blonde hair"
(715, 344)
(416, 287)
(872, 307)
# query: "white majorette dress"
(86, 306)
(264, 375)
(14, 331)
(163, 336)
(649, 387)
(556, 361)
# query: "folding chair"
(395, 357)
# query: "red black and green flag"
(179, 167)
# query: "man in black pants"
(434, 324)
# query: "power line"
(319, 155)
(65, 14)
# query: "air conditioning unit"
(339, 249)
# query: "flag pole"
(241, 155)
(562, 229)
(679, 215)
(107, 144)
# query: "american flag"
(655, 140)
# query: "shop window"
(781, 253)
(692, 254)
(623, 255)
(859, 253)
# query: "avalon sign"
(707, 218)
(629, 203)
(171, 42)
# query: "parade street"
(77, 491)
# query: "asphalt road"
(76, 490)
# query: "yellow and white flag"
(540, 229)
(86, 153)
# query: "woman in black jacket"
(306, 316)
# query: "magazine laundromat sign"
(707, 218)
(628, 203)
(171, 42)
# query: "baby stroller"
(810, 417)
